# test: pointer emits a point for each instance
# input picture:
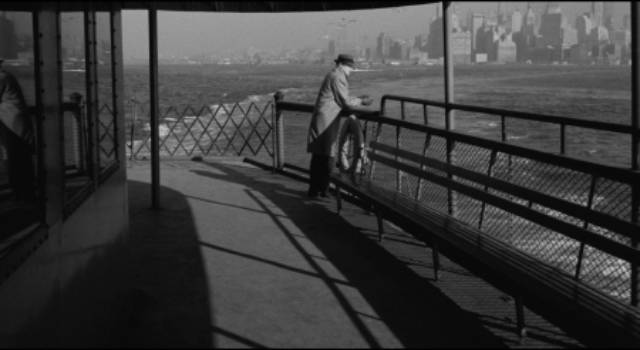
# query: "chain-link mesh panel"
(607, 272)
(598, 146)
(613, 198)
(542, 136)
(225, 129)
(106, 136)
(296, 128)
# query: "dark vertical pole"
(635, 86)
(38, 116)
(153, 113)
(91, 100)
(279, 131)
(448, 96)
(635, 138)
(117, 96)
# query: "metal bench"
(584, 311)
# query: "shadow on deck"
(239, 257)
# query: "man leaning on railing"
(17, 136)
(323, 130)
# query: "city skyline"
(228, 33)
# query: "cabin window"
(77, 128)
(19, 130)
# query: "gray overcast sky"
(190, 33)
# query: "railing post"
(563, 142)
(635, 274)
(279, 131)
(91, 97)
(425, 147)
(635, 138)
(585, 225)
(448, 99)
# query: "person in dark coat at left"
(17, 137)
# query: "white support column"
(448, 95)
(635, 140)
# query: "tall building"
(583, 28)
(555, 34)
(506, 49)
(386, 46)
(526, 39)
(514, 22)
(474, 27)
(395, 51)
(461, 47)
(379, 44)
(608, 20)
(435, 45)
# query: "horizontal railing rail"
(563, 123)
(545, 118)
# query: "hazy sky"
(190, 33)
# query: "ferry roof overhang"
(209, 6)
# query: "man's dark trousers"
(320, 173)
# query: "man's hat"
(346, 60)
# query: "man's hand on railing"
(365, 100)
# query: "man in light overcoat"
(323, 130)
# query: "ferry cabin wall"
(41, 299)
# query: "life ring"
(351, 146)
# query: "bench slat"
(603, 243)
(612, 223)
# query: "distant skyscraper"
(626, 22)
(607, 15)
(395, 50)
(583, 27)
(434, 40)
(506, 49)
(475, 25)
(526, 39)
(515, 22)
(597, 9)
(379, 44)
(386, 46)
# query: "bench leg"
(522, 331)
(380, 227)
(436, 260)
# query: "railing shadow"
(145, 290)
(417, 313)
(167, 273)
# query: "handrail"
(621, 128)
(609, 171)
